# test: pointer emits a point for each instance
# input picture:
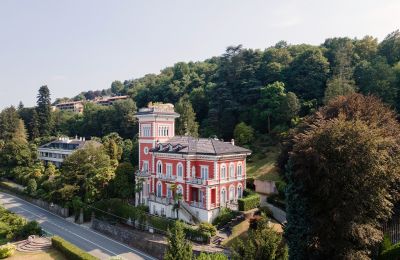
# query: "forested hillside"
(267, 89)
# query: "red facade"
(206, 180)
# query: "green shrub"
(224, 216)
(196, 234)
(386, 244)
(209, 228)
(7, 250)
(160, 223)
(250, 202)
(71, 251)
(392, 253)
(30, 228)
(267, 211)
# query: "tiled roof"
(192, 145)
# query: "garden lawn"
(47, 255)
(263, 165)
(238, 231)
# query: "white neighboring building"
(56, 151)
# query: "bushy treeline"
(234, 87)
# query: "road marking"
(134, 250)
(62, 228)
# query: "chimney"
(232, 141)
(83, 138)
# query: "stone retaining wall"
(152, 244)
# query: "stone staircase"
(34, 244)
(186, 208)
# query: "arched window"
(179, 170)
(231, 170)
(159, 189)
(239, 170)
(232, 193)
(239, 191)
(223, 171)
(159, 167)
(179, 190)
(194, 172)
(223, 197)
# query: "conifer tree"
(186, 124)
(178, 247)
(43, 110)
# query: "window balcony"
(161, 200)
(166, 177)
(200, 181)
(197, 204)
(142, 174)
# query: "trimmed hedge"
(225, 215)
(160, 223)
(71, 251)
(196, 234)
(250, 202)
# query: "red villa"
(207, 173)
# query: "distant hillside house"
(73, 106)
(58, 150)
(78, 106)
(186, 177)
(108, 101)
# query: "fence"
(392, 229)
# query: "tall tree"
(43, 110)
(123, 185)
(86, 173)
(307, 74)
(349, 148)
(341, 82)
(377, 77)
(186, 123)
(390, 47)
(262, 243)
(117, 87)
(178, 247)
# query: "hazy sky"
(77, 45)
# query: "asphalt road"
(83, 237)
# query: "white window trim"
(223, 166)
(177, 171)
(241, 170)
(169, 166)
(223, 190)
(232, 187)
(241, 189)
(143, 163)
(159, 163)
(202, 167)
(231, 173)
(157, 190)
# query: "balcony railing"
(197, 204)
(162, 200)
(142, 173)
(166, 177)
(199, 181)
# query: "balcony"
(199, 181)
(161, 200)
(197, 204)
(143, 174)
(166, 177)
